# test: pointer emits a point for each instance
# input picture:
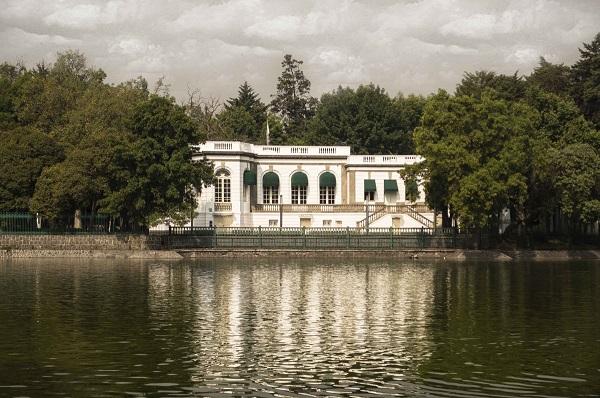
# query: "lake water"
(299, 328)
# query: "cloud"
(84, 16)
(133, 47)
(413, 46)
(327, 17)
(523, 56)
(212, 19)
(91, 16)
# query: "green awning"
(299, 180)
(271, 179)
(327, 179)
(370, 186)
(249, 177)
(390, 186)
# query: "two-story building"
(310, 186)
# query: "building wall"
(349, 170)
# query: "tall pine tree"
(293, 103)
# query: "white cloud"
(133, 47)
(91, 16)
(84, 16)
(475, 26)
(523, 56)
(212, 19)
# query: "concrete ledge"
(455, 254)
(342, 253)
(553, 254)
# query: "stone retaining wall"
(81, 242)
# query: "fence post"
(214, 237)
(391, 239)
(454, 230)
(347, 237)
(422, 237)
(259, 236)
(304, 237)
(169, 239)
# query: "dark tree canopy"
(585, 76)
(245, 116)
(24, 153)
(552, 78)
(367, 119)
(510, 87)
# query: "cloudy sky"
(409, 46)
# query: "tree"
(24, 153)
(238, 125)
(367, 119)
(49, 94)
(152, 169)
(204, 112)
(577, 178)
(509, 87)
(561, 121)
(410, 110)
(11, 78)
(293, 102)
(248, 101)
(585, 75)
(477, 155)
(551, 78)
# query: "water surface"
(299, 328)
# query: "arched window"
(270, 188)
(222, 186)
(299, 188)
(327, 188)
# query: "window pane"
(302, 195)
(227, 190)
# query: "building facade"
(306, 186)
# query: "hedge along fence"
(317, 238)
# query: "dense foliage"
(69, 142)
(529, 145)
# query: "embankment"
(153, 246)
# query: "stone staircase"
(419, 217)
(381, 211)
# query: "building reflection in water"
(293, 316)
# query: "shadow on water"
(266, 327)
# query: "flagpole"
(268, 132)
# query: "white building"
(310, 186)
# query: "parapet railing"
(340, 208)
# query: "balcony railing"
(223, 208)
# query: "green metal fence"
(27, 223)
(315, 238)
